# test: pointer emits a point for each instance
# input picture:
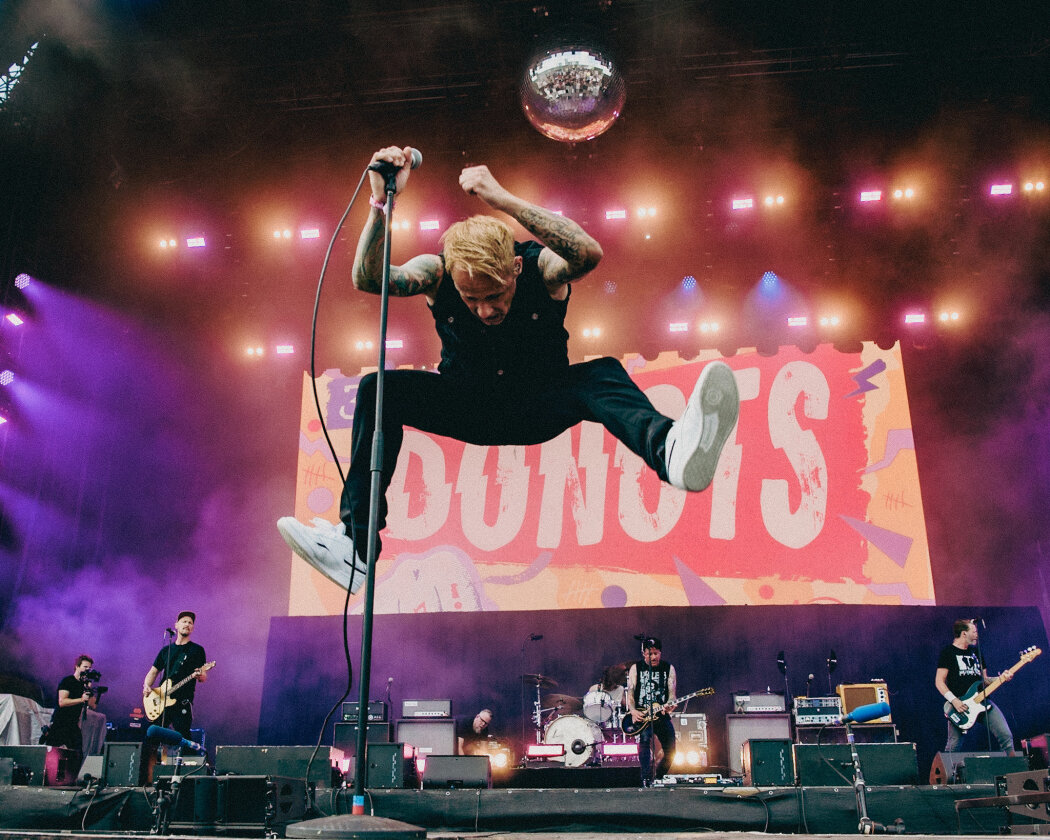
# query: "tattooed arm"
(420, 275)
(570, 252)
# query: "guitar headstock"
(1028, 654)
(705, 692)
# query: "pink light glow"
(798, 321)
(429, 224)
(743, 203)
(611, 215)
(1001, 189)
(14, 319)
(310, 233)
(195, 242)
(871, 195)
(545, 750)
(620, 749)
(914, 318)
(679, 326)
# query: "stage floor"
(923, 809)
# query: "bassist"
(652, 682)
(959, 671)
(177, 661)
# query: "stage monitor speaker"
(289, 762)
(259, 802)
(7, 770)
(93, 766)
(832, 764)
(389, 767)
(457, 771)
(27, 762)
(768, 762)
(127, 764)
(344, 736)
(195, 809)
(428, 736)
(1031, 781)
(972, 768)
(741, 728)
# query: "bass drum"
(578, 735)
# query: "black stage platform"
(924, 809)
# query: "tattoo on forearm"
(563, 236)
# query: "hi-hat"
(540, 680)
(564, 703)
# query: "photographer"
(74, 696)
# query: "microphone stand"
(866, 824)
(373, 513)
(980, 665)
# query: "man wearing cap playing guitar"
(652, 682)
(182, 661)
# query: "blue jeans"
(996, 723)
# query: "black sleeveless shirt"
(530, 345)
(653, 685)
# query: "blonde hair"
(480, 245)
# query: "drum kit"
(581, 726)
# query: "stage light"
(797, 321)
(310, 233)
(613, 215)
(709, 326)
(22, 280)
(282, 234)
(6, 377)
(429, 224)
(914, 318)
(195, 242)
(13, 318)
(644, 212)
(904, 193)
(1001, 189)
(688, 283)
(868, 196)
(829, 320)
(947, 316)
(545, 750)
(770, 280)
(609, 287)
(395, 344)
(619, 750)
(592, 332)
(167, 243)
(1034, 186)
(363, 345)
(743, 203)
(284, 349)
(678, 327)
(774, 200)
(254, 352)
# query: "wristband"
(951, 698)
(378, 204)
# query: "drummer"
(473, 732)
(604, 702)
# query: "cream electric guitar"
(630, 726)
(160, 697)
(974, 698)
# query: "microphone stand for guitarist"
(980, 663)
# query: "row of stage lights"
(737, 204)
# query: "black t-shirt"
(964, 668)
(185, 659)
(465, 730)
(68, 716)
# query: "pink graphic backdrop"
(816, 499)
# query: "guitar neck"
(998, 681)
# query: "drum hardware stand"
(866, 824)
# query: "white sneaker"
(327, 548)
(696, 439)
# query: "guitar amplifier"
(426, 708)
(758, 702)
(864, 694)
(376, 711)
(817, 710)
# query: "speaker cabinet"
(127, 764)
(832, 764)
(457, 771)
(974, 768)
(768, 762)
(389, 767)
(345, 736)
(195, 809)
(289, 762)
(7, 770)
(741, 728)
(429, 737)
(1032, 781)
(258, 802)
(27, 762)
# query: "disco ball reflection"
(572, 92)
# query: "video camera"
(89, 677)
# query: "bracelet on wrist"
(377, 203)
(951, 698)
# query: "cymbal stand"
(537, 715)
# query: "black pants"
(504, 414)
(663, 729)
(179, 717)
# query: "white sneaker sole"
(335, 570)
(717, 398)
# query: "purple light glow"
(14, 319)
(871, 195)
(22, 280)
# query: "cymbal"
(563, 703)
(540, 680)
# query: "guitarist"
(652, 681)
(959, 668)
(178, 660)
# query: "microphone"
(168, 631)
(535, 637)
(174, 739)
(384, 168)
(862, 714)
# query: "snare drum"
(578, 735)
